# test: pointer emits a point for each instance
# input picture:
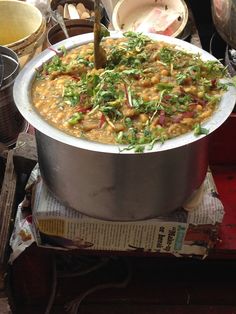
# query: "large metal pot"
(99, 180)
(224, 18)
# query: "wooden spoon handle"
(99, 52)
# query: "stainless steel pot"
(224, 18)
(99, 180)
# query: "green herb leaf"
(63, 50)
(167, 55)
(199, 130)
(104, 31)
(85, 62)
(71, 94)
(136, 41)
(167, 86)
(55, 65)
(181, 77)
(75, 118)
(139, 148)
(128, 122)
(215, 68)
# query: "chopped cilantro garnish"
(167, 55)
(199, 130)
(71, 94)
(54, 65)
(75, 118)
(63, 50)
(166, 86)
(136, 41)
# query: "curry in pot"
(149, 91)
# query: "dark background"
(210, 39)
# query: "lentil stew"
(149, 91)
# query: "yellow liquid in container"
(9, 37)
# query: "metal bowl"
(74, 27)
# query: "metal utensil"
(59, 19)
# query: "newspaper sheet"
(180, 233)
(69, 228)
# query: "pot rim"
(22, 97)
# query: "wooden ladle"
(100, 58)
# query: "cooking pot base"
(190, 205)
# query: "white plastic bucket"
(128, 14)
